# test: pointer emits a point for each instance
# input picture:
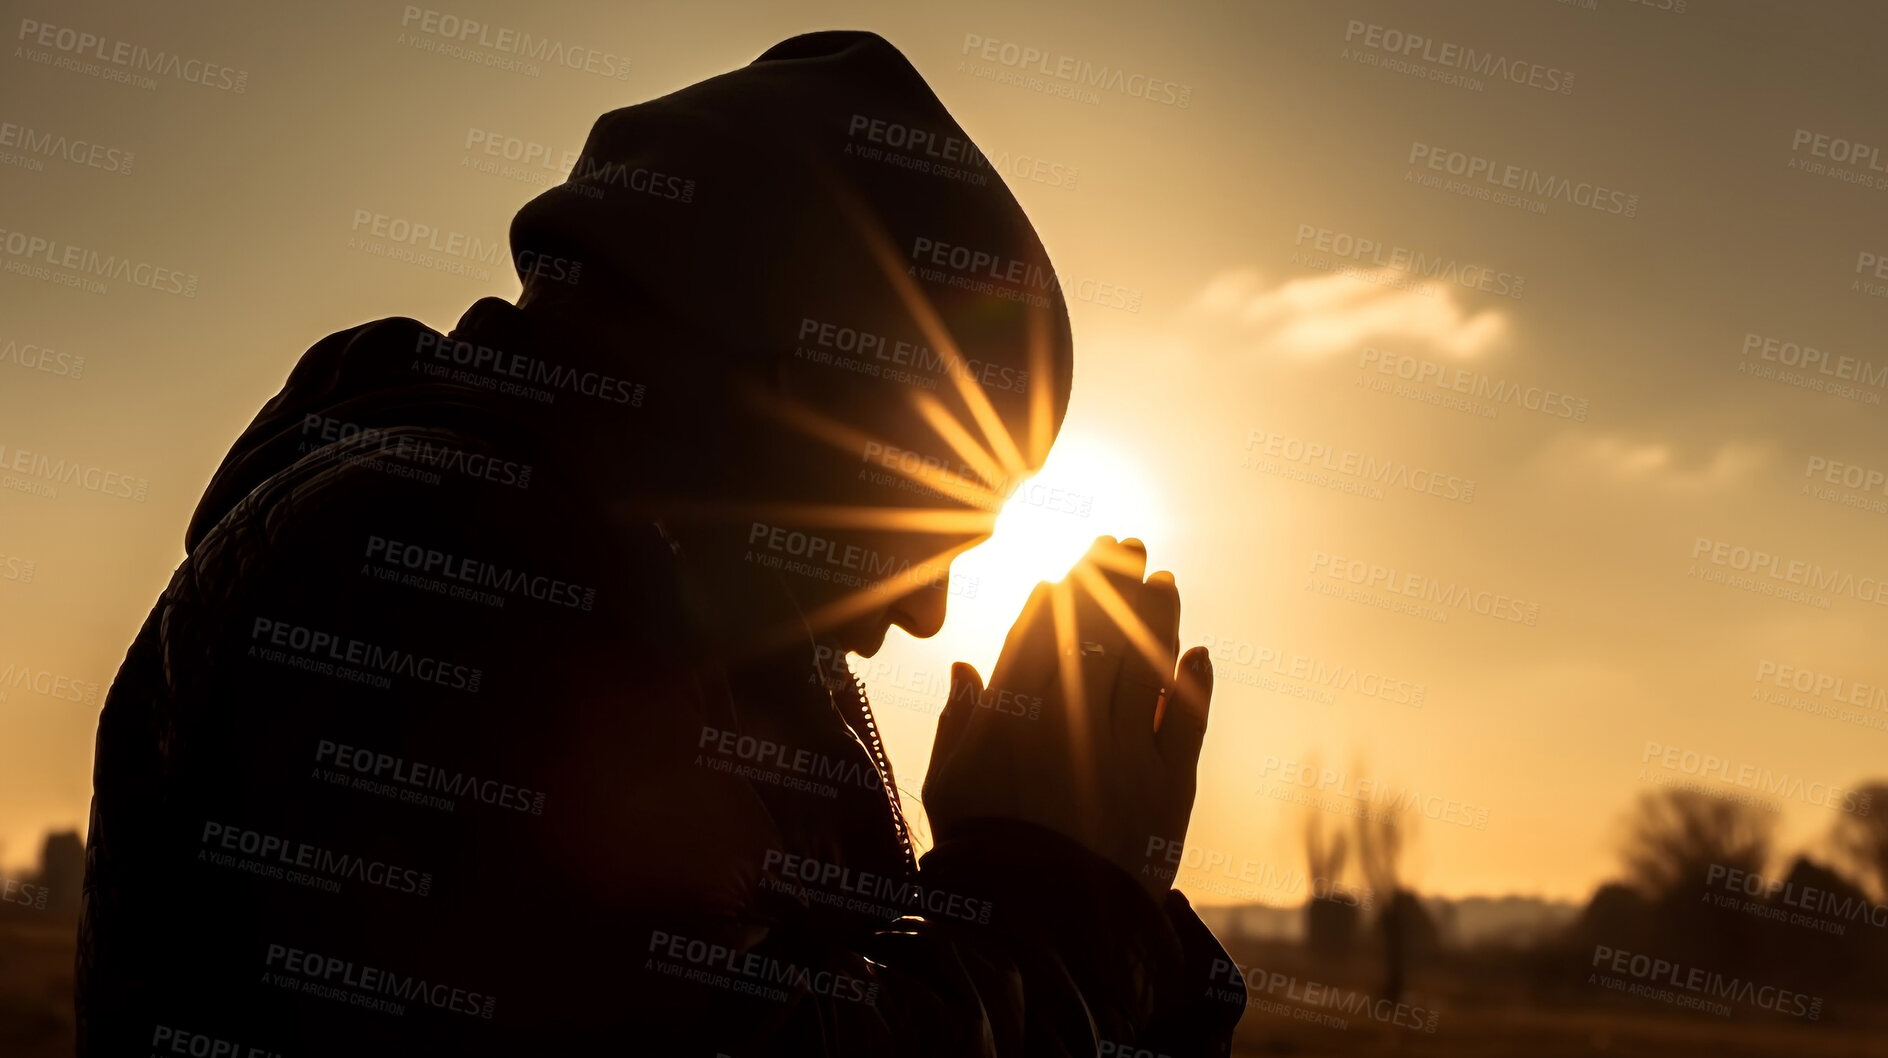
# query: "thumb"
(1182, 722)
(966, 692)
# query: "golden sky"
(1584, 425)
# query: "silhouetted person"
(499, 706)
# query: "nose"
(921, 613)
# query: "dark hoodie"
(419, 752)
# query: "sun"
(1087, 488)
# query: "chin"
(869, 639)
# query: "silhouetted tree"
(1330, 922)
(1676, 836)
(1861, 840)
(1379, 844)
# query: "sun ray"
(1124, 618)
(983, 495)
(920, 520)
(966, 446)
(1068, 649)
(1003, 446)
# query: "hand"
(1086, 727)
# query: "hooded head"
(852, 342)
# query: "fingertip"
(1198, 665)
(965, 673)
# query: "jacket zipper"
(876, 747)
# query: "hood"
(818, 198)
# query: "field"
(1476, 1018)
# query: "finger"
(1147, 669)
(966, 692)
(1124, 564)
(1028, 660)
(1182, 722)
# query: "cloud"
(1711, 467)
(1315, 316)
